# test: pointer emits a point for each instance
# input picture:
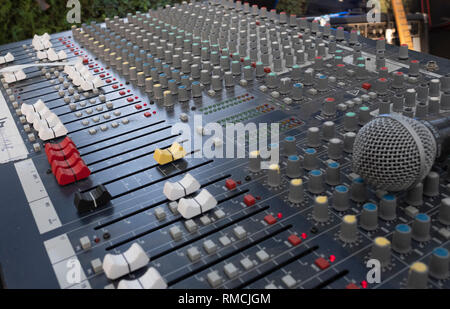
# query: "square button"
(270, 219)
(190, 225)
(230, 270)
(219, 214)
(240, 232)
(97, 266)
(230, 184)
(289, 281)
(205, 220)
(175, 232)
(193, 254)
(246, 263)
(322, 263)
(225, 241)
(209, 246)
(294, 240)
(249, 200)
(214, 279)
(262, 255)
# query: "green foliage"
(21, 19)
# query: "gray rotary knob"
(358, 190)
(350, 122)
(285, 85)
(348, 232)
(216, 83)
(320, 209)
(414, 195)
(444, 211)
(335, 148)
(294, 166)
(445, 101)
(381, 251)
(315, 183)
(384, 106)
(401, 239)
(369, 217)
(322, 83)
(196, 89)
(417, 276)
(332, 174)
(329, 107)
(296, 192)
(364, 115)
(445, 82)
(349, 140)
(157, 92)
(410, 97)
(310, 161)
(340, 71)
(439, 263)
(273, 175)
(388, 207)
(398, 80)
(297, 92)
(431, 184)
(435, 87)
(289, 145)
(308, 77)
(328, 130)
(403, 52)
(421, 227)
(414, 67)
(296, 72)
(313, 137)
(397, 103)
(272, 80)
(341, 200)
(229, 79)
(183, 94)
(254, 161)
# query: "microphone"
(393, 152)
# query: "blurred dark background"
(21, 19)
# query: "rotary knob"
(369, 217)
(439, 263)
(296, 194)
(320, 209)
(381, 251)
(341, 200)
(417, 276)
(401, 240)
(315, 183)
(348, 230)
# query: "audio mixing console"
(99, 191)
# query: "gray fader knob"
(401, 240)
(417, 276)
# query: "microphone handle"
(441, 126)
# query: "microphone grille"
(393, 152)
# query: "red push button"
(270, 219)
(230, 184)
(249, 200)
(366, 86)
(294, 240)
(352, 286)
(322, 263)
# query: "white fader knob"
(118, 265)
(176, 190)
(149, 281)
(192, 207)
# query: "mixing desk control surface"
(100, 189)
